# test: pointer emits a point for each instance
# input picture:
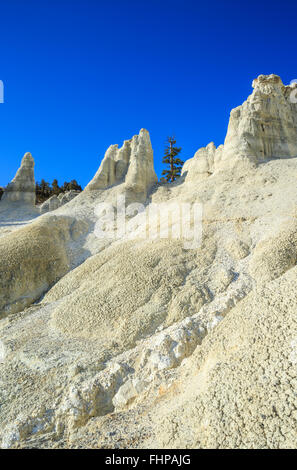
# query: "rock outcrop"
(49, 205)
(265, 125)
(55, 202)
(131, 164)
(64, 198)
(22, 187)
(203, 163)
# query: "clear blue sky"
(80, 75)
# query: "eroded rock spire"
(22, 187)
(131, 164)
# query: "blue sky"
(80, 75)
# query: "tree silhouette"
(55, 187)
(170, 158)
(44, 190)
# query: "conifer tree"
(44, 190)
(170, 158)
(55, 187)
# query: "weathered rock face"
(141, 175)
(50, 205)
(265, 125)
(203, 163)
(22, 187)
(68, 196)
(55, 202)
(132, 164)
(113, 167)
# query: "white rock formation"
(144, 343)
(22, 187)
(203, 163)
(265, 125)
(64, 198)
(50, 205)
(55, 202)
(132, 164)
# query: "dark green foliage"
(72, 185)
(45, 190)
(55, 187)
(1, 192)
(171, 159)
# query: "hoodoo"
(100, 332)
(22, 187)
(131, 164)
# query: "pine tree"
(170, 158)
(44, 190)
(37, 191)
(74, 185)
(55, 187)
